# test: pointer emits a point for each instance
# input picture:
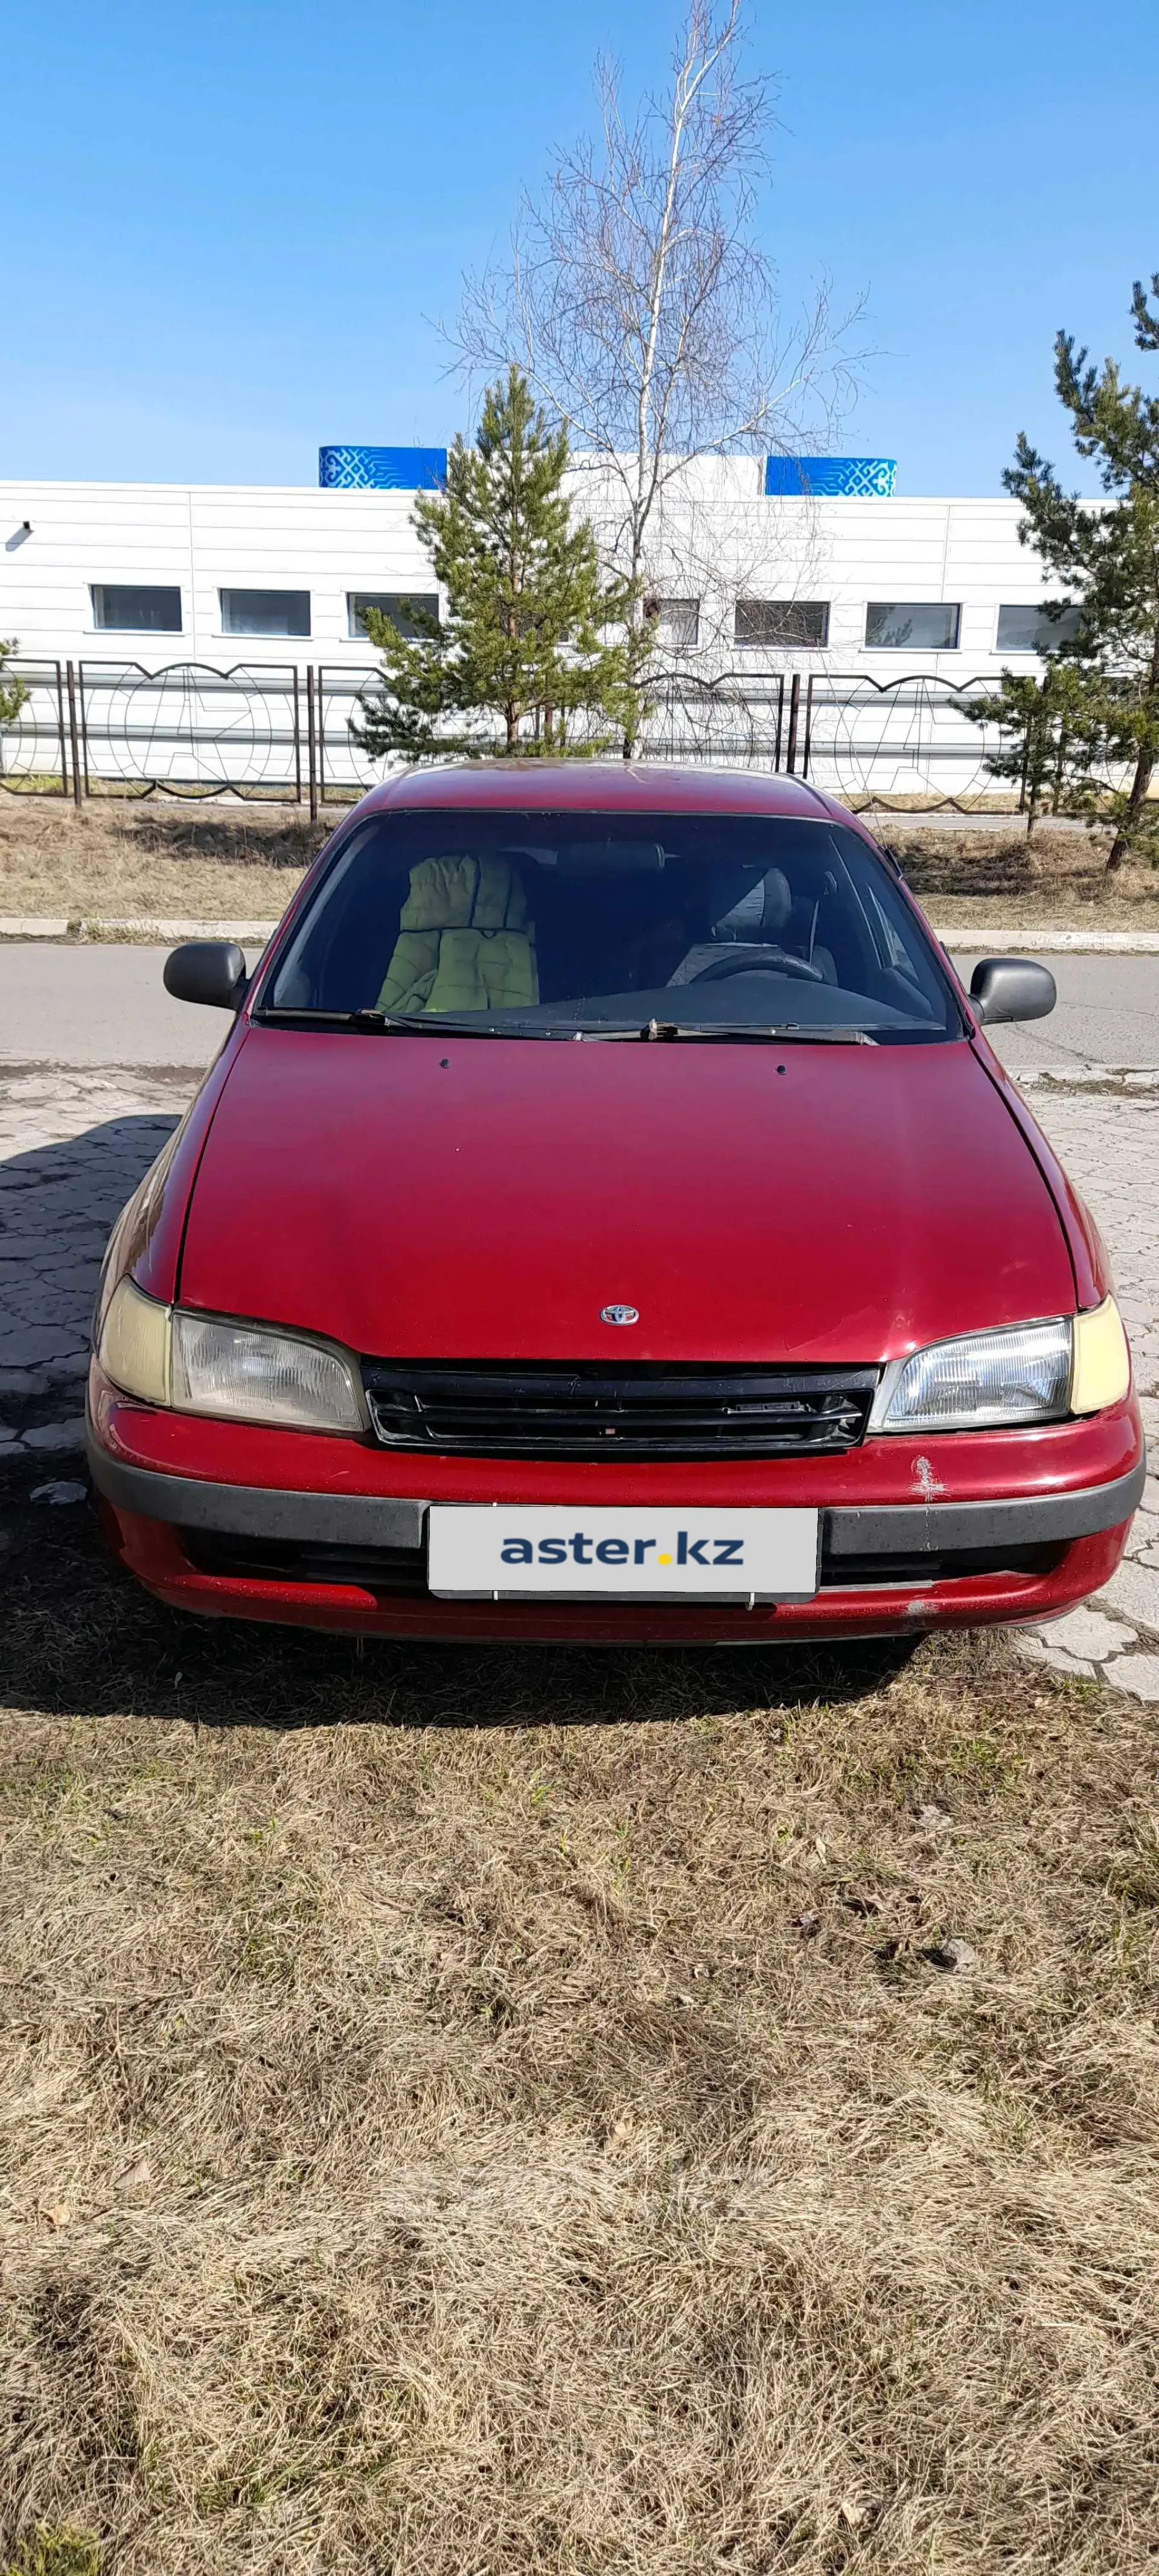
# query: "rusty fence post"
(73, 742)
(321, 736)
(60, 730)
(311, 743)
(297, 739)
(84, 726)
(794, 713)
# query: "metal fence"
(272, 731)
(893, 740)
(280, 732)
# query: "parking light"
(134, 1344)
(1102, 1361)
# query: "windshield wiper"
(317, 1015)
(422, 1024)
(434, 1024)
(784, 1033)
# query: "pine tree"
(13, 693)
(1107, 558)
(525, 634)
(1049, 737)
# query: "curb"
(1040, 940)
(16, 925)
(1086, 1077)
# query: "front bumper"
(1013, 1542)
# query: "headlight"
(244, 1372)
(258, 1376)
(1021, 1374)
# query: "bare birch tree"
(642, 310)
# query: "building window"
(795, 622)
(398, 605)
(1030, 630)
(132, 608)
(911, 626)
(265, 612)
(676, 621)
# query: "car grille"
(491, 1410)
(401, 1571)
(901, 1568)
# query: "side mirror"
(207, 970)
(1012, 988)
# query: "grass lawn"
(122, 859)
(968, 879)
(473, 2113)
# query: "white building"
(889, 606)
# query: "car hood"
(426, 1196)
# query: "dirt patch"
(542, 2111)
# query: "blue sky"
(230, 225)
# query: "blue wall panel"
(422, 469)
(382, 469)
(831, 477)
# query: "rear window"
(548, 924)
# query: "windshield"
(534, 924)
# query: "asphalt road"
(107, 1006)
(1107, 1013)
(88, 1006)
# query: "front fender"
(147, 1237)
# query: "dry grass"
(223, 861)
(466, 2114)
(131, 859)
(977, 877)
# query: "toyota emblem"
(619, 1314)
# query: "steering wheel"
(769, 961)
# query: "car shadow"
(79, 1637)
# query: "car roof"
(604, 787)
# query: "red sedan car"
(607, 1220)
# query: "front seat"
(763, 912)
(465, 942)
(768, 912)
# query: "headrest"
(464, 894)
(765, 908)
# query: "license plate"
(506, 1551)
